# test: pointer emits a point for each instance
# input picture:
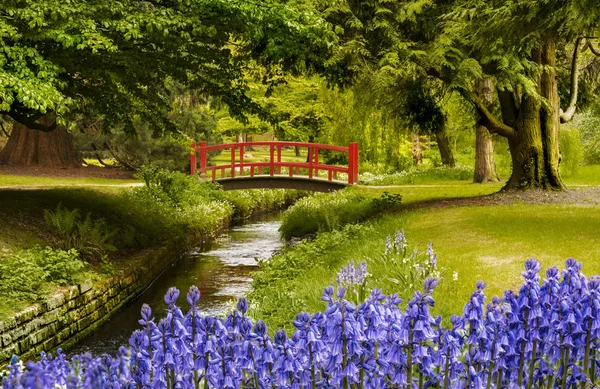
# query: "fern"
(92, 239)
(63, 222)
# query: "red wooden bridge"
(276, 173)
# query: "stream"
(222, 271)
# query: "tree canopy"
(110, 59)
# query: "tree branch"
(508, 107)
(4, 129)
(487, 119)
(590, 46)
(119, 159)
(567, 114)
(30, 122)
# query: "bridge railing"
(237, 166)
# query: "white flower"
(455, 276)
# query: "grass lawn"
(484, 240)
(435, 191)
(28, 181)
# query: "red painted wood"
(241, 160)
(279, 158)
(350, 163)
(313, 166)
(272, 160)
(233, 162)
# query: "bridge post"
(355, 162)
(310, 162)
(241, 160)
(278, 159)
(232, 161)
(203, 159)
(352, 163)
(272, 161)
(193, 162)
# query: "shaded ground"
(83, 172)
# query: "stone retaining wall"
(67, 316)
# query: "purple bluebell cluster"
(544, 336)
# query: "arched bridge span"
(241, 172)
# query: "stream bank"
(69, 314)
(222, 270)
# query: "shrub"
(543, 336)
(330, 211)
(588, 123)
(26, 274)
(571, 150)
(420, 175)
(185, 204)
(92, 239)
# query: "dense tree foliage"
(102, 59)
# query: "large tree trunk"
(443, 143)
(485, 165)
(27, 147)
(535, 145)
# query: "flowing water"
(222, 271)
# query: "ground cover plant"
(546, 335)
(330, 211)
(419, 175)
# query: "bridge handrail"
(323, 146)
(275, 162)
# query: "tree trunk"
(417, 152)
(27, 147)
(485, 165)
(443, 143)
(535, 145)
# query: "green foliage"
(193, 121)
(27, 274)
(588, 124)
(419, 175)
(276, 295)
(111, 60)
(571, 150)
(63, 267)
(91, 238)
(330, 211)
(185, 205)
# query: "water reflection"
(222, 272)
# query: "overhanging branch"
(590, 46)
(487, 119)
(30, 122)
(567, 114)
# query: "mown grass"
(29, 181)
(479, 242)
